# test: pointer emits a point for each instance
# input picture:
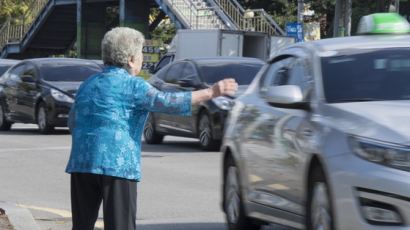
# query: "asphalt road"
(180, 188)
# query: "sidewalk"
(26, 218)
(19, 218)
(4, 221)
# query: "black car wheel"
(4, 124)
(150, 134)
(205, 134)
(42, 120)
(233, 202)
(319, 208)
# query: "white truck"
(217, 42)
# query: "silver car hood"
(382, 120)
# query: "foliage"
(164, 32)
(282, 11)
(17, 10)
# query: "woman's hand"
(227, 86)
(224, 87)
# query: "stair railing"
(197, 17)
(250, 20)
(14, 32)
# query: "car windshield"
(242, 72)
(367, 75)
(71, 72)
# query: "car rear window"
(242, 72)
(73, 72)
(367, 75)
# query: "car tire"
(42, 121)
(151, 136)
(233, 201)
(206, 139)
(4, 124)
(319, 206)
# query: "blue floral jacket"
(107, 120)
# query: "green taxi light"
(383, 23)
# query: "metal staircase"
(53, 27)
(12, 33)
(195, 14)
(52, 30)
(220, 14)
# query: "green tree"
(17, 10)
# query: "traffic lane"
(32, 167)
(180, 188)
(32, 174)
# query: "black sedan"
(207, 120)
(41, 91)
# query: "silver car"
(321, 138)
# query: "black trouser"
(119, 198)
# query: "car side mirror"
(27, 79)
(285, 95)
(152, 69)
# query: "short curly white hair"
(119, 44)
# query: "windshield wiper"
(358, 100)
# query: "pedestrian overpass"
(56, 26)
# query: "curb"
(20, 218)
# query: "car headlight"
(59, 96)
(395, 156)
(223, 103)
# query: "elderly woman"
(106, 122)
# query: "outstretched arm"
(180, 103)
(224, 87)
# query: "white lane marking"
(60, 212)
(35, 149)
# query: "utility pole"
(338, 9)
(301, 10)
(348, 17)
(343, 18)
(397, 6)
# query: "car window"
(4, 68)
(367, 75)
(30, 72)
(69, 72)
(14, 76)
(164, 61)
(174, 73)
(289, 71)
(276, 74)
(300, 74)
(214, 71)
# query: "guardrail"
(14, 32)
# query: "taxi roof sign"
(383, 23)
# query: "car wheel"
(319, 208)
(233, 202)
(205, 134)
(42, 121)
(150, 134)
(4, 124)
